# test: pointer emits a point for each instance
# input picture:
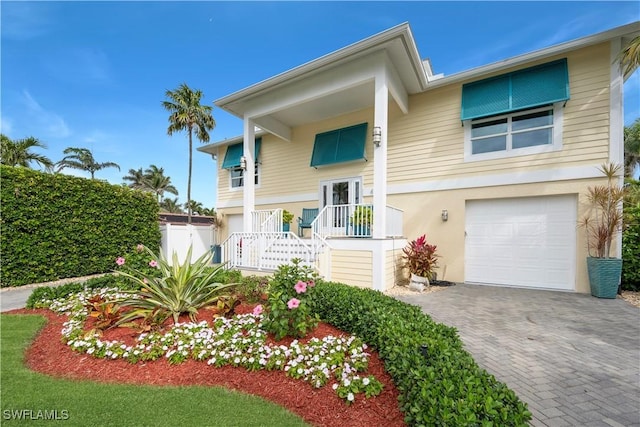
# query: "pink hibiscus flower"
(257, 311)
(311, 283)
(293, 303)
(153, 263)
(300, 287)
(120, 261)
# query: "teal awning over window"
(532, 87)
(235, 152)
(338, 146)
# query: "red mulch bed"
(320, 407)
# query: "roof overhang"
(625, 32)
(332, 85)
(213, 147)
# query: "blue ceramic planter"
(604, 276)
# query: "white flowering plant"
(240, 341)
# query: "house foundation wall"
(422, 215)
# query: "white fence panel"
(178, 237)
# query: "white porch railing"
(264, 250)
(267, 221)
(354, 221)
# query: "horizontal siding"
(352, 268)
(393, 267)
(285, 166)
(428, 143)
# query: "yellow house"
(492, 163)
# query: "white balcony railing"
(354, 221)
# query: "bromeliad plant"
(177, 289)
(291, 301)
(421, 257)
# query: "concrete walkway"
(12, 298)
(573, 358)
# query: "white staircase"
(267, 250)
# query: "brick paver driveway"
(573, 358)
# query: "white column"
(616, 121)
(249, 188)
(380, 155)
(616, 99)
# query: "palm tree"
(135, 178)
(629, 57)
(208, 212)
(194, 206)
(186, 113)
(82, 159)
(18, 153)
(631, 148)
(154, 180)
(170, 205)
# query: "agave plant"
(180, 288)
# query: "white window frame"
(556, 143)
(352, 183)
(240, 187)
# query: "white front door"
(340, 193)
(527, 241)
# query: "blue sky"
(94, 74)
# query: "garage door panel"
(522, 242)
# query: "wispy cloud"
(99, 141)
(52, 124)
(80, 65)
(24, 20)
(6, 125)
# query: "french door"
(341, 194)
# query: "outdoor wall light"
(243, 163)
(445, 215)
(377, 135)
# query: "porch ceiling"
(333, 85)
(331, 105)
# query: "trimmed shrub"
(631, 239)
(56, 226)
(439, 382)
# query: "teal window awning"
(532, 87)
(235, 153)
(338, 146)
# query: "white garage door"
(234, 223)
(529, 241)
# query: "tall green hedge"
(631, 238)
(58, 226)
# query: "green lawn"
(89, 403)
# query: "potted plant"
(421, 259)
(361, 221)
(216, 248)
(601, 223)
(287, 217)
